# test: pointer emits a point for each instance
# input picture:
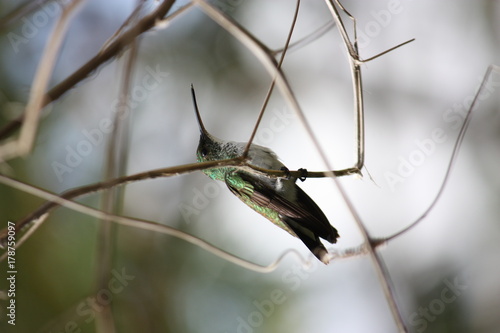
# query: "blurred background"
(445, 271)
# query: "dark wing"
(317, 219)
(304, 217)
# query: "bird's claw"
(287, 172)
(303, 174)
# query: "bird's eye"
(203, 152)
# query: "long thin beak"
(200, 122)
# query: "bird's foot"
(303, 174)
(287, 172)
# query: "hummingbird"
(279, 200)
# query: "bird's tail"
(310, 239)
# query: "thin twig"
(315, 35)
(151, 226)
(378, 264)
(356, 81)
(454, 155)
(387, 51)
(265, 57)
(108, 184)
(270, 90)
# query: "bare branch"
(145, 225)
(108, 184)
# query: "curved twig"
(454, 155)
